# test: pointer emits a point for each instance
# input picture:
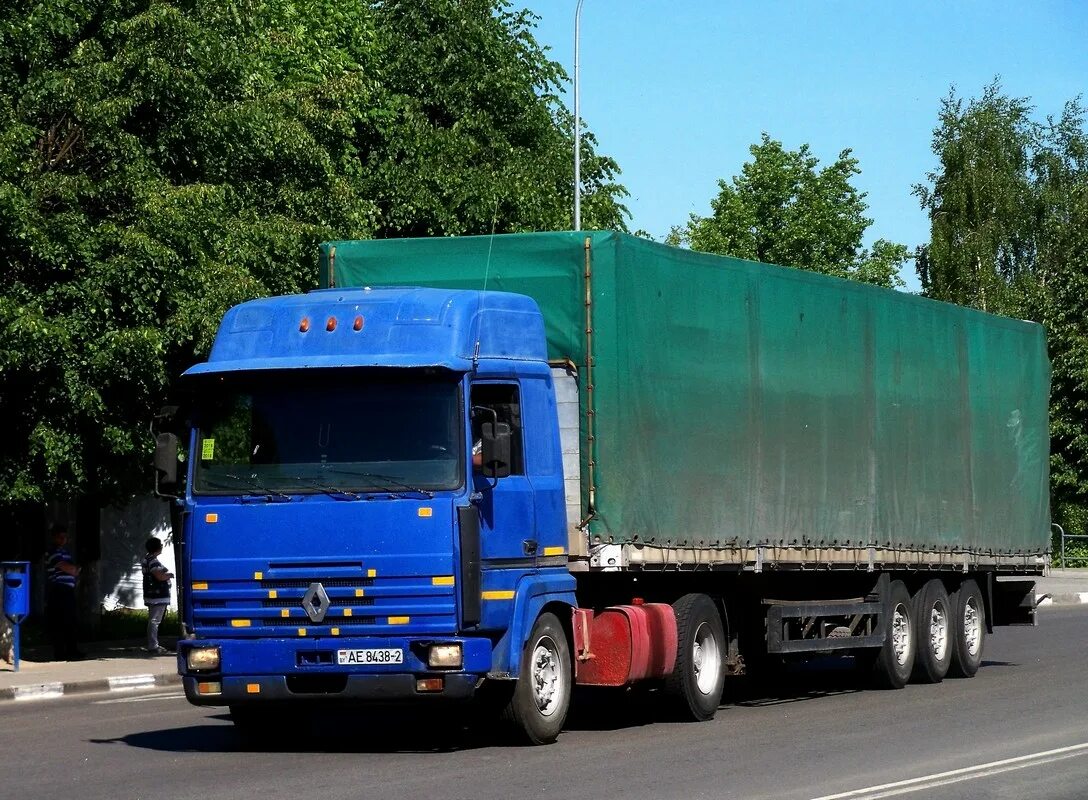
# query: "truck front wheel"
(698, 678)
(541, 697)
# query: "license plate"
(386, 655)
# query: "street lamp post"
(577, 122)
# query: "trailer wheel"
(698, 678)
(895, 660)
(933, 621)
(541, 696)
(968, 629)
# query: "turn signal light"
(209, 687)
(430, 684)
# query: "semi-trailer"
(500, 467)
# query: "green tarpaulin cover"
(743, 403)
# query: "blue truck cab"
(342, 539)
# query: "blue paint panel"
(381, 548)
(496, 613)
(401, 327)
(554, 585)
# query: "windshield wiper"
(252, 484)
(377, 476)
(329, 490)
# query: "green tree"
(1008, 209)
(784, 209)
(160, 162)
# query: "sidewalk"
(109, 667)
(123, 666)
(1062, 587)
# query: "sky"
(678, 91)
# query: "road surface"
(1019, 729)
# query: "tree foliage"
(162, 161)
(1008, 209)
(784, 209)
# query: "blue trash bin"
(16, 590)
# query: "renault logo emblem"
(315, 602)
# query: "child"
(156, 593)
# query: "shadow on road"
(449, 729)
(386, 731)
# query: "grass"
(1076, 554)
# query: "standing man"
(60, 596)
(156, 593)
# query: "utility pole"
(577, 121)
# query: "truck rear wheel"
(895, 660)
(933, 621)
(968, 629)
(698, 678)
(541, 696)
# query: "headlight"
(202, 658)
(444, 655)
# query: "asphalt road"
(1017, 730)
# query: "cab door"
(507, 510)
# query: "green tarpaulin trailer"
(738, 414)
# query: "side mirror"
(166, 462)
(495, 438)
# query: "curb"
(1063, 599)
(122, 683)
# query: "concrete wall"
(124, 531)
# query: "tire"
(968, 629)
(895, 659)
(541, 699)
(933, 622)
(698, 678)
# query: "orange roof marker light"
(304, 325)
(358, 324)
(331, 324)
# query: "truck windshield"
(327, 431)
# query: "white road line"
(39, 692)
(958, 775)
(131, 682)
(143, 699)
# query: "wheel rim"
(938, 630)
(546, 677)
(705, 659)
(901, 634)
(972, 626)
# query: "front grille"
(334, 602)
(303, 622)
(304, 583)
(209, 603)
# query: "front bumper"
(279, 670)
(398, 688)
